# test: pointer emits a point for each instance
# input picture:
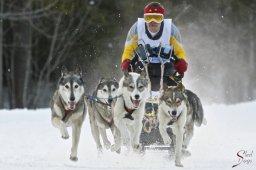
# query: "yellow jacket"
(131, 43)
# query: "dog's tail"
(197, 108)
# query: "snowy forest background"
(37, 37)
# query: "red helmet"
(154, 7)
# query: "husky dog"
(130, 108)
(100, 112)
(68, 106)
(179, 109)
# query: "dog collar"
(128, 115)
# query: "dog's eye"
(76, 86)
(169, 102)
(104, 90)
(131, 87)
(140, 87)
(114, 89)
(66, 86)
(178, 101)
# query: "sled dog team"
(120, 107)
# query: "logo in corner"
(244, 157)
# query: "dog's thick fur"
(100, 112)
(179, 109)
(68, 106)
(130, 108)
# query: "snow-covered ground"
(28, 141)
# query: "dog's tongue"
(72, 104)
(136, 103)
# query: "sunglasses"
(153, 17)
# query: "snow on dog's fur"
(130, 108)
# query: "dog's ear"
(102, 79)
(64, 71)
(114, 79)
(78, 70)
(143, 73)
(180, 87)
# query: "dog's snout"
(174, 112)
(72, 98)
(137, 96)
(110, 100)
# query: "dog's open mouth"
(136, 103)
(72, 105)
(174, 118)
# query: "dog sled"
(151, 138)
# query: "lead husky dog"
(130, 108)
(100, 112)
(68, 106)
(179, 109)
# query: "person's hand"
(181, 66)
(125, 64)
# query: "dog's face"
(172, 101)
(135, 89)
(106, 90)
(71, 87)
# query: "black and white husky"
(100, 112)
(179, 109)
(68, 106)
(130, 108)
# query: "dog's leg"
(179, 131)
(166, 138)
(117, 137)
(96, 135)
(76, 131)
(124, 134)
(163, 126)
(136, 137)
(58, 123)
(106, 142)
(188, 136)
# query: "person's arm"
(180, 65)
(131, 43)
(178, 49)
(175, 32)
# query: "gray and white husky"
(179, 109)
(68, 106)
(100, 112)
(130, 108)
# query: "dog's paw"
(178, 164)
(99, 148)
(65, 136)
(115, 148)
(167, 141)
(185, 152)
(107, 145)
(138, 148)
(73, 158)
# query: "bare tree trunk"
(252, 61)
(27, 69)
(22, 37)
(29, 58)
(1, 54)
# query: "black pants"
(154, 71)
